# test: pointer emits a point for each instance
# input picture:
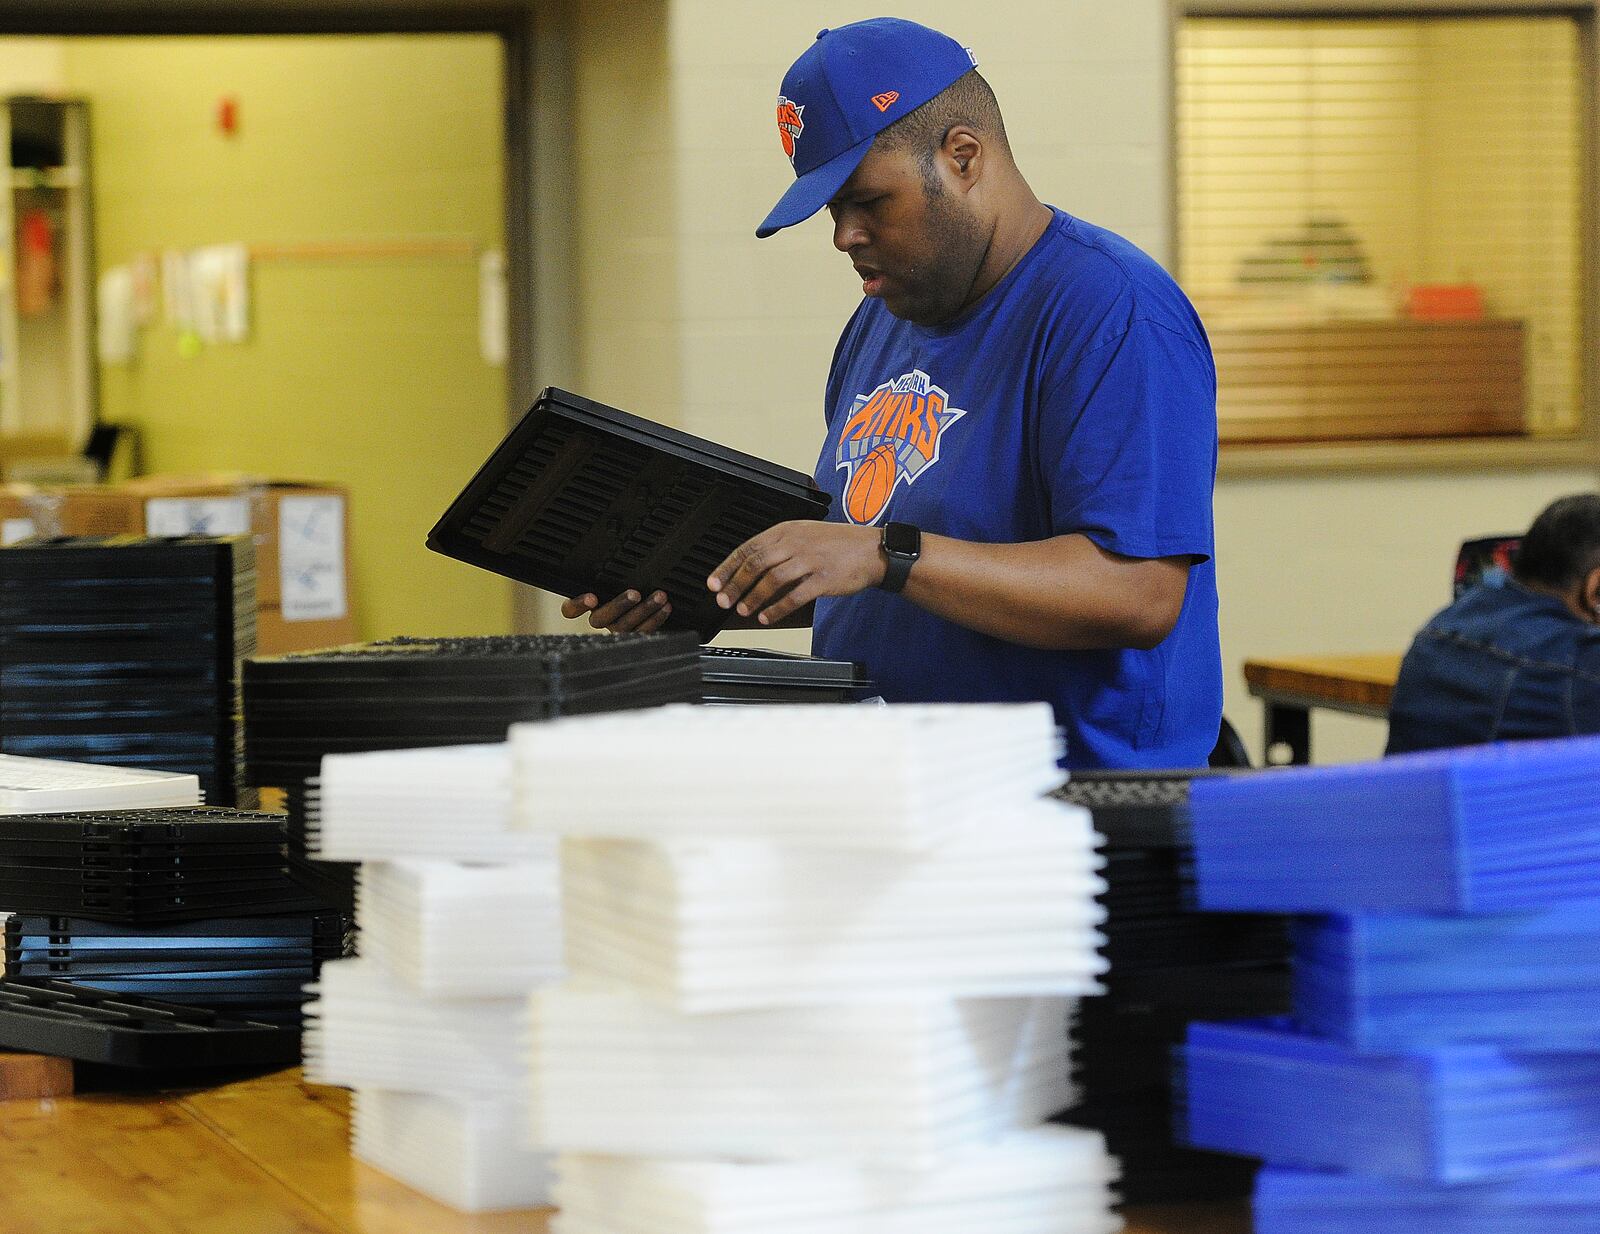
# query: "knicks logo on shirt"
(891, 435)
(790, 126)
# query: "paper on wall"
(311, 557)
(197, 516)
(145, 281)
(220, 276)
(177, 291)
(114, 306)
(493, 330)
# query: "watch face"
(902, 538)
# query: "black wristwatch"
(902, 545)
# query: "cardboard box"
(77, 510)
(275, 636)
(301, 530)
(93, 510)
(18, 516)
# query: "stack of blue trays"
(1305, 1202)
(1440, 1073)
(1392, 982)
(1481, 830)
(1457, 1114)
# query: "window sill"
(1451, 454)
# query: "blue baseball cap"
(845, 89)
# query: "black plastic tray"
(68, 1021)
(207, 900)
(280, 925)
(160, 826)
(581, 497)
(543, 656)
(752, 666)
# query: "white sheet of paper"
(145, 281)
(177, 290)
(221, 278)
(311, 557)
(117, 325)
(493, 327)
(197, 516)
(14, 529)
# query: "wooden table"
(262, 1156)
(1291, 686)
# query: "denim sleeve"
(1586, 688)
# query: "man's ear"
(1589, 595)
(963, 152)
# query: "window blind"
(1380, 221)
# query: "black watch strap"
(901, 545)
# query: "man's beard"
(937, 289)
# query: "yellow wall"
(627, 227)
(31, 65)
(366, 372)
(735, 334)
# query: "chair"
(1229, 750)
(1487, 560)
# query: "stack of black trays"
(249, 967)
(581, 497)
(125, 650)
(747, 675)
(137, 867)
(95, 1026)
(195, 905)
(408, 693)
(1169, 965)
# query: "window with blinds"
(1380, 222)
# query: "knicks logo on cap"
(892, 434)
(790, 126)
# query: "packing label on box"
(14, 529)
(197, 516)
(311, 557)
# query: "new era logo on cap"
(885, 100)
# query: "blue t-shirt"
(1078, 395)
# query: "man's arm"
(1064, 593)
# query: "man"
(1516, 660)
(1021, 420)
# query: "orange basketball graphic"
(870, 486)
(790, 125)
(888, 436)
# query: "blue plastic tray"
(1485, 829)
(1464, 1114)
(1400, 982)
(1307, 1202)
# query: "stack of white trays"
(459, 920)
(822, 966)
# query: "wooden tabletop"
(1364, 681)
(261, 1156)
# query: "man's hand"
(628, 613)
(787, 567)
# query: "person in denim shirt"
(1516, 661)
